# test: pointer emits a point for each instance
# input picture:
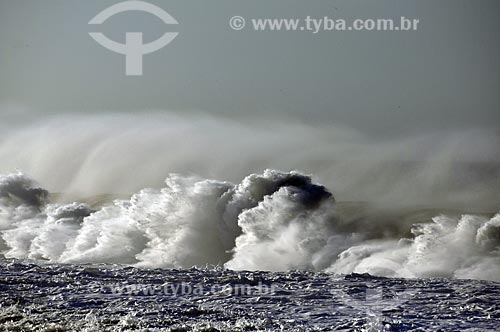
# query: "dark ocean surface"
(59, 297)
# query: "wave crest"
(272, 221)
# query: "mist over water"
(224, 203)
(84, 155)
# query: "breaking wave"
(272, 221)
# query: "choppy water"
(58, 297)
(126, 265)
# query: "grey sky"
(446, 75)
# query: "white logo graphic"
(134, 48)
(376, 298)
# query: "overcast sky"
(445, 75)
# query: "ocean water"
(275, 252)
(61, 297)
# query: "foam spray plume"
(271, 221)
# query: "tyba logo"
(134, 48)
